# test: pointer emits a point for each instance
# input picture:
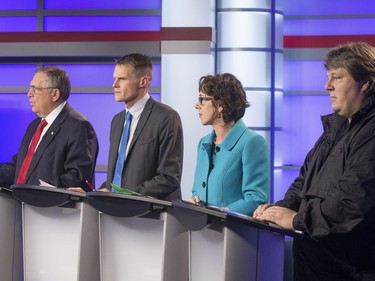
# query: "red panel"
(325, 41)
(188, 33)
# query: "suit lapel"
(27, 140)
(142, 121)
(115, 140)
(47, 138)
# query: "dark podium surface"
(60, 234)
(121, 205)
(44, 196)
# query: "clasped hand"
(279, 215)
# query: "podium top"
(45, 196)
(5, 190)
(122, 205)
(193, 222)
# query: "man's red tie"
(30, 152)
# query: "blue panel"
(100, 177)
(288, 177)
(100, 4)
(89, 74)
(16, 74)
(283, 179)
(18, 5)
(350, 26)
(99, 109)
(104, 23)
(302, 125)
(92, 75)
(18, 24)
(155, 96)
(331, 7)
(304, 76)
(15, 116)
(156, 75)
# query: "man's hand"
(279, 215)
(261, 208)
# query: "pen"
(90, 185)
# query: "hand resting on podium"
(197, 201)
(280, 216)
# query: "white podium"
(11, 237)
(227, 246)
(60, 235)
(140, 239)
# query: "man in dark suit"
(65, 153)
(154, 150)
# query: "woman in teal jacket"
(233, 166)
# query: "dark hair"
(358, 59)
(142, 64)
(227, 91)
(57, 78)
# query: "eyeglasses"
(203, 98)
(34, 89)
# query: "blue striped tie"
(122, 151)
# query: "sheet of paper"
(43, 183)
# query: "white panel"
(180, 76)
(263, 4)
(51, 243)
(253, 69)
(278, 190)
(278, 109)
(188, 13)
(244, 30)
(132, 248)
(259, 113)
(279, 31)
(278, 148)
(207, 255)
(279, 74)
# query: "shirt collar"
(137, 109)
(54, 113)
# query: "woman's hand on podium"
(195, 200)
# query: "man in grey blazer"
(154, 151)
(66, 152)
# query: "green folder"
(124, 190)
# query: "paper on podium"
(43, 183)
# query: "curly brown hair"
(226, 91)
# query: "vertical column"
(250, 47)
(188, 39)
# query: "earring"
(219, 115)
